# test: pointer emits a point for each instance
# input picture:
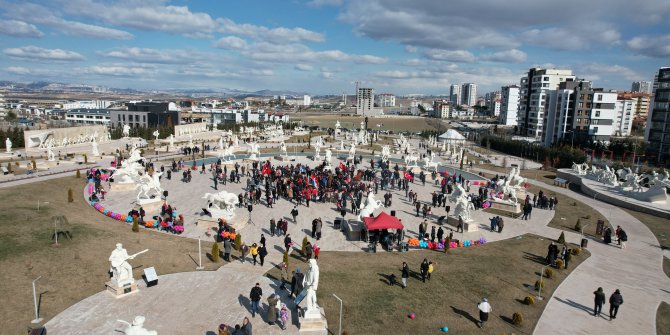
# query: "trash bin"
(585, 242)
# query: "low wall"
(628, 203)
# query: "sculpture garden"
(503, 266)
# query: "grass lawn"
(499, 271)
(663, 319)
(78, 268)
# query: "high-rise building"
(641, 87)
(365, 98)
(642, 102)
(625, 113)
(532, 98)
(306, 100)
(385, 100)
(509, 98)
(441, 109)
(657, 132)
(455, 94)
(468, 94)
(493, 102)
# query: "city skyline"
(325, 46)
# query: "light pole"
(37, 312)
(340, 300)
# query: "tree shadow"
(575, 305)
(465, 315)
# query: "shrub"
(238, 241)
(559, 263)
(136, 224)
(70, 195)
(9, 167)
(303, 250)
(517, 319)
(539, 284)
(576, 251)
(561, 239)
(529, 300)
(549, 273)
(215, 252)
(578, 225)
(85, 159)
(33, 164)
(77, 174)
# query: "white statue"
(386, 152)
(352, 151)
(50, 151)
(149, 185)
(429, 163)
(254, 150)
(311, 285)
(126, 130)
(580, 169)
(515, 176)
(171, 141)
(156, 133)
(222, 204)
(506, 188)
(227, 154)
(338, 129)
(371, 204)
(342, 145)
(122, 272)
(463, 205)
(221, 143)
(411, 160)
(137, 327)
(329, 156)
(190, 140)
(8, 145)
(94, 148)
(317, 152)
(282, 148)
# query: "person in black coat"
(608, 235)
(599, 301)
(405, 274)
(424, 269)
(616, 300)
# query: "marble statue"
(8, 145)
(94, 148)
(371, 204)
(580, 169)
(236, 141)
(50, 151)
(156, 133)
(122, 272)
(352, 152)
(338, 128)
(126, 130)
(282, 148)
(171, 141)
(190, 140)
(329, 156)
(515, 178)
(221, 204)
(412, 159)
(430, 163)
(311, 284)
(464, 206)
(254, 150)
(386, 152)
(505, 187)
(227, 154)
(137, 327)
(342, 145)
(149, 186)
(221, 143)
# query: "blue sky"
(325, 46)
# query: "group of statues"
(221, 204)
(648, 187)
(464, 205)
(509, 186)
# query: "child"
(284, 316)
(392, 280)
(430, 269)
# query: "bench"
(561, 182)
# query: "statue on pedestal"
(94, 148)
(386, 152)
(50, 151)
(8, 145)
(122, 272)
(282, 148)
(137, 327)
(156, 133)
(171, 141)
(190, 140)
(221, 204)
(149, 184)
(126, 130)
(311, 284)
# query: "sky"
(326, 46)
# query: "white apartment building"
(509, 104)
(625, 113)
(641, 87)
(603, 115)
(494, 102)
(90, 104)
(455, 94)
(386, 100)
(306, 100)
(87, 116)
(532, 98)
(365, 99)
(469, 94)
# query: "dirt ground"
(78, 267)
(354, 122)
(499, 271)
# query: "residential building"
(90, 104)
(641, 87)
(147, 114)
(365, 99)
(216, 116)
(306, 100)
(657, 132)
(494, 102)
(625, 114)
(88, 116)
(642, 102)
(386, 100)
(468, 94)
(532, 98)
(509, 104)
(455, 94)
(441, 109)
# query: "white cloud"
(657, 46)
(411, 49)
(291, 53)
(33, 53)
(271, 35)
(17, 28)
(230, 42)
(598, 70)
(572, 38)
(507, 56)
(303, 67)
(147, 55)
(119, 71)
(321, 3)
(460, 56)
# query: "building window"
(597, 113)
(595, 130)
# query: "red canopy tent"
(382, 221)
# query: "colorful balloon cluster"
(440, 245)
(226, 234)
(118, 216)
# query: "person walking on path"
(599, 301)
(405, 274)
(284, 316)
(254, 252)
(294, 214)
(287, 242)
(244, 249)
(616, 300)
(484, 310)
(623, 237)
(255, 297)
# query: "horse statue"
(515, 176)
(222, 201)
(227, 154)
(411, 158)
(386, 152)
(371, 204)
(352, 151)
(508, 189)
(464, 208)
(428, 163)
(148, 185)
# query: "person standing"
(484, 310)
(599, 300)
(273, 301)
(246, 326)
(284, 316)
(244, 249)
(254, 252)
(424, 269)
(287, 242)
(262, 241)
(623, 237)
(227, 247)
(404, 275)
(294, 214)
(319, 225)
(255, 297)
(273, 227)
(616, 300)
(262, 252)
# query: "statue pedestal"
(120, 291)
(284, 158)
(313, 323)
(468, 226)
(506, 206)
(149, 206)
(122, 187)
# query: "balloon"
(444, 329)
(412, 316)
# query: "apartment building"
(455, 94)
(385, 100)
(365, 99)
(493, 102)
(532, 98)
(441, 109)
(657, 132)
(625, 114)
(468, 94)
(641, 87)
(509, 105)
